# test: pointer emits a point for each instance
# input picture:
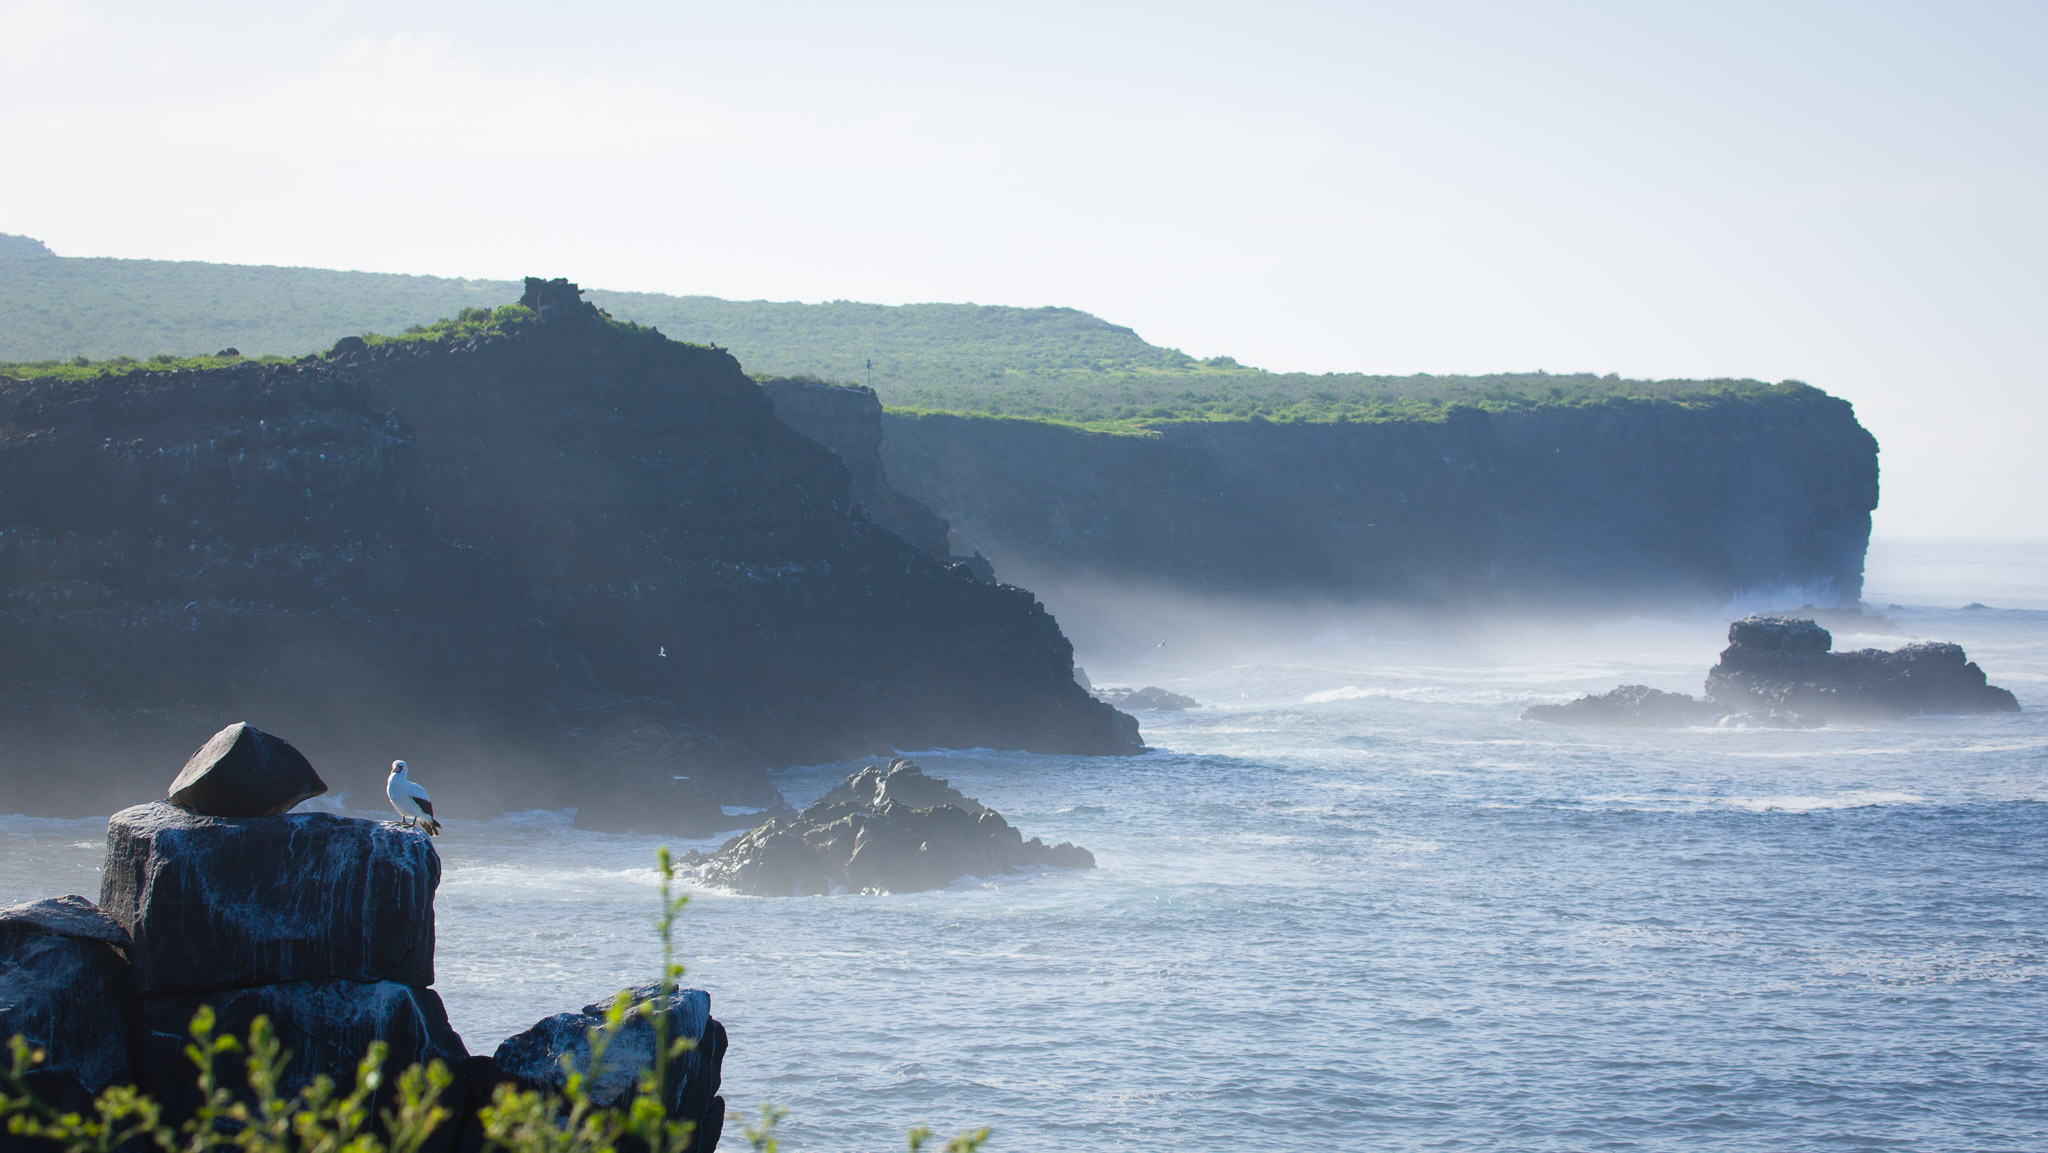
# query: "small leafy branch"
(317, 1120)
(320, 1118)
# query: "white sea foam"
(1857, 799)
(1347, 693)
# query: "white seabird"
(415, 807)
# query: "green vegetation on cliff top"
(75, 316)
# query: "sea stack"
(1784, 664)
(1779, 671)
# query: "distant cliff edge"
(549, 558)
(1068, 449)
(1617, 502)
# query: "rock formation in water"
(560, 561)
(1783, 664)
(1778, 671)
(323, 924)
(534, 1058)
(891, 830)
(1149, 697)
(1602, 504)
(1630, 707)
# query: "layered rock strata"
(561, 561)
(848, 420)
(891, 830)
(1616, 503)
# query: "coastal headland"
(568, 561)
(563, 560)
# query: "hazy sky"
(1848, 194)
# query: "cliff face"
(848, 420)
(564, 563)
(1618, 502)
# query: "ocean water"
(1353, 902)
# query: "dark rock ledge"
(1629, 707)
(891, 830)
(1779, 671)
(1149, 697)
(322, 923)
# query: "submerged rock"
(219, 902)
(534, 1058)
(882, 831)
(1630, 706)
(327, 1025)
(64, 986)
(1149, 697)
(1783, 665)
(245, 772)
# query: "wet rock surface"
(862, 837)
(534, 1058)
(225, 902)
(1783, 664)
(1630, 706)
(68, 994)
(245, 772)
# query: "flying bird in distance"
(415, 807)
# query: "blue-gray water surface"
(1354, 902)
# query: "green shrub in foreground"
(322, 1119)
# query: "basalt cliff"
(1512, 491)
(559, 561)
(1612, 503)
